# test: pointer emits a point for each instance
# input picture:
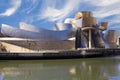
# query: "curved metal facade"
(31, 32)
(28, 27)
(58, 26)
(63, 26)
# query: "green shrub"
(3, 47)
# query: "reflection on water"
(73, 69)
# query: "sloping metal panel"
(28, 27)
(63, 26)
(34, 33)
(59, 26)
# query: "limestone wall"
(30, 46)
(111, 37)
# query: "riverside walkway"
(70, 54)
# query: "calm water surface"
(70, 69)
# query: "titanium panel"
(34, 34)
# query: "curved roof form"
(28, 27)
(31, 32)
(63, 26)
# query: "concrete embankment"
(81, 53)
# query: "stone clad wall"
(27, 46)
(88, 19)
(15, 48)
(111, 37)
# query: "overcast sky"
(45, 13)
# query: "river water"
(64, 69)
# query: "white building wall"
(15, 48)
(36, 46)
